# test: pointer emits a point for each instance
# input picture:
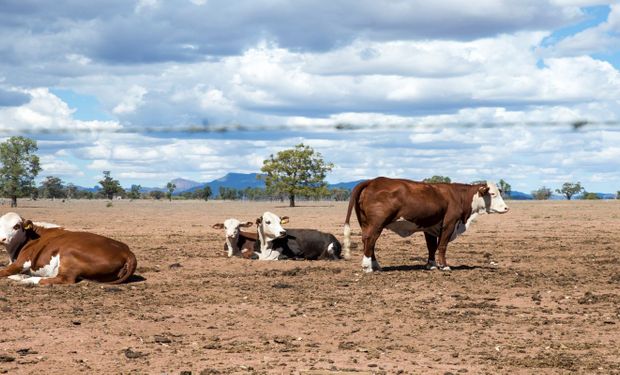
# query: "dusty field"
(534, 291)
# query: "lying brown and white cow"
(442, 211)
(40, 255)
(279, 243)
(238, 242)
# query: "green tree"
(437, 179)
(618, 194)
(296, 172)
(134, 192)
(19, 168)
(339, 194)
(53, 187)
(170, 186)
(505, 188)
(109, 185)
(542, 193)
(569, 189)
(205, 193)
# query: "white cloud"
(131, 100)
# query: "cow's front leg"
(431, 245)
(442, 246)
(60, 279)
(11, 269)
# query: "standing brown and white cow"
(442, 211)
(40, 255)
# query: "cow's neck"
(19, 241)
(266, 246)
(474, 206)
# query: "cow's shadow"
(134, 279)
(422, 267)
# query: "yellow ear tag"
(27, 227)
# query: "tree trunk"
(14, 201)
(291, 200)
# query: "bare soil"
(534, 291)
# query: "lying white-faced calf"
(278, 243)
(238, 242)
(43, 255)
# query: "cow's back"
(386, 199)
(311, 244)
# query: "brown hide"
(246, 243)
(441, 206)
(83, 255)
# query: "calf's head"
(490, 199)
(231, 227)
(14, 233)
(270, 226)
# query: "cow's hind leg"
(431, 245)
(369, 238)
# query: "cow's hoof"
(369, 265)
(431, 265)
(445, 268)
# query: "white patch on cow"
(31, 280)
(18, 277)
(330, 250)
(445, 268)
(346, 254)
(367, 264)
(50, 270)
(43, 224)
(26, 266)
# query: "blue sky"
(87, 81)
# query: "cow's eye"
(16, 227)
(267, 222)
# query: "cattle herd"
(44, 253)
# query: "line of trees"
(297, 173)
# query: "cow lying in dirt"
(442, 211)
(238, 242)
(278, 243)
(40, 255)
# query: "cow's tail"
(353, 201)
(127, 270)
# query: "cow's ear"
(259, 220)
(247, 224)
(28, 225)
(284, 220)
(217, 226)
(484, 190)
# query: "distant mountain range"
(241, 181)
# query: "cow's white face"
(232, 227)
(10, 224)
(492, 199)
(270, 226)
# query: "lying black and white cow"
(278, 243)
(238, 242)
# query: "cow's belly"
(49, 270)
(405, 228)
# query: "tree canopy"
(20, 166)
(542, 193)
(299, 171)
(110, 186)
(569, 189)
(437, 179)
(170, 186)
(53, 187)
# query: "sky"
(484, 89)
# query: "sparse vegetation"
(542, 193)
(437, 179)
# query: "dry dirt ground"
(534, 291)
